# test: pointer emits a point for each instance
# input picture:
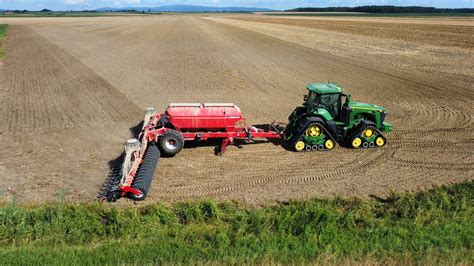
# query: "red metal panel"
(204, 116)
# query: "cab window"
(330, 102)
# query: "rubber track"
(326, 132)
(354, 135)
(146, 171)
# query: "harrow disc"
(110, 190)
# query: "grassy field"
(349, 14)
(430, 227)
(3, 34)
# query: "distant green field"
(433, 227)
(3, 34)
(348, 14)
(75, 14)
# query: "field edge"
(434, 226)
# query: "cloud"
(100, 2)
(74, 2)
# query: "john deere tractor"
(328, 116)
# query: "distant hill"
(384, 9)
(187, 8)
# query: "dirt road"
(71, 88)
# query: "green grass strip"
(3, 34)
(434, 227)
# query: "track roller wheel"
(171, 142)
(146, 172)
(314, 130)
(329, 144)
(368, 132)
(380, 141)
(356, 142)
(299, 146)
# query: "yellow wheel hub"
(313, 131)
(299, 145)
(329, 144)
(368, 133)
(356, 142)
(380, 141)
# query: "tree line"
(383, 9)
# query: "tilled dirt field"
(71, 90)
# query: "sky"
(274, 4)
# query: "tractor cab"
(329, 97)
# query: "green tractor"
(328, 116)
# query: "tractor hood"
(366, 106)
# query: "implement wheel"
(171, 142)
(146, 171)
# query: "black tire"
(171, 142)
(146, 172)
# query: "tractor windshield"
(311, 100)
(330, 102)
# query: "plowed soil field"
(73, 89)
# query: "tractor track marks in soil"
(44, 88)
(429, 165)
(398, 132)
(328, 173)
(59, 117)
(360, 167)
(428, 142)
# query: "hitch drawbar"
(165, 134)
